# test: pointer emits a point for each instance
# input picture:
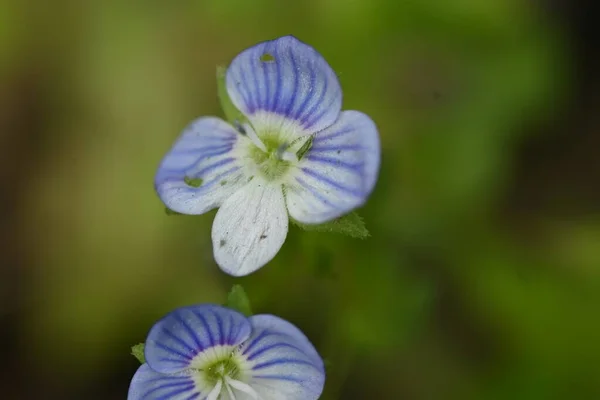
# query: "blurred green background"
(481, 279)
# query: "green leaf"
(232, 114)
(350, 224)
(138, 352)
(238, 300)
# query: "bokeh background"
(481, 278)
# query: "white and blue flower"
(209, 352)
(260, 172)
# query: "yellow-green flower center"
(270, 162)
(220, 369)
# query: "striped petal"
(148, 384)
(282, 363)
(250, 227)
(207, 151)
(338, 173)
(284, 81)
(175, 340)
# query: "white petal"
(210, 150)
(250, 227)
(338, 173)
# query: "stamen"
(242, 387)
(255, 139)
(231, 395)
(214, 394)
(287, 156)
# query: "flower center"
(217, 371)
(272, 161)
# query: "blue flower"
(297, 154)
(209, 352)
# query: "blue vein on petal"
(179, 340)
(316, 105)
(182, 379)
(316, 193)
(330, 182)
(329, 136)
(245, 83)
(308, 98)
(204, 186)
(272, 346)
(174, 361)
(265, 67)
(213, 166)
(207, 151)
(220, 327)
(197, 160)
(255, 82)
(192, 397)
(172, 350)
(166, 396)
(254, 341)
(202, 319)
(292, 100)
(279, 361)
(323, 111)
(232, 336)
(354, 167)
(289, 378)
(278, 84)
(333, 148)
(190, 332)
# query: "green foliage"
(232, 114)
(138, 352)
(350, 224)
(237, 300)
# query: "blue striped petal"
(338, 173)
(284, 80)
(175, 340)
(148, 384)
(208, 149)
(283, 363)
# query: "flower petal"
(250, 227)
(339, 171)
(175, 340)
(276, 324)
(282, 363)
(284, 80)
(208, 150)
(148, 384)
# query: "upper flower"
(208, 352)
(297, 154)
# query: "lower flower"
(212, 352)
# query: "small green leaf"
(193, 182)
(232, 114)
(170, 212)
(350, 224)
(238, 300)
(138, 352)
(305, 147)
